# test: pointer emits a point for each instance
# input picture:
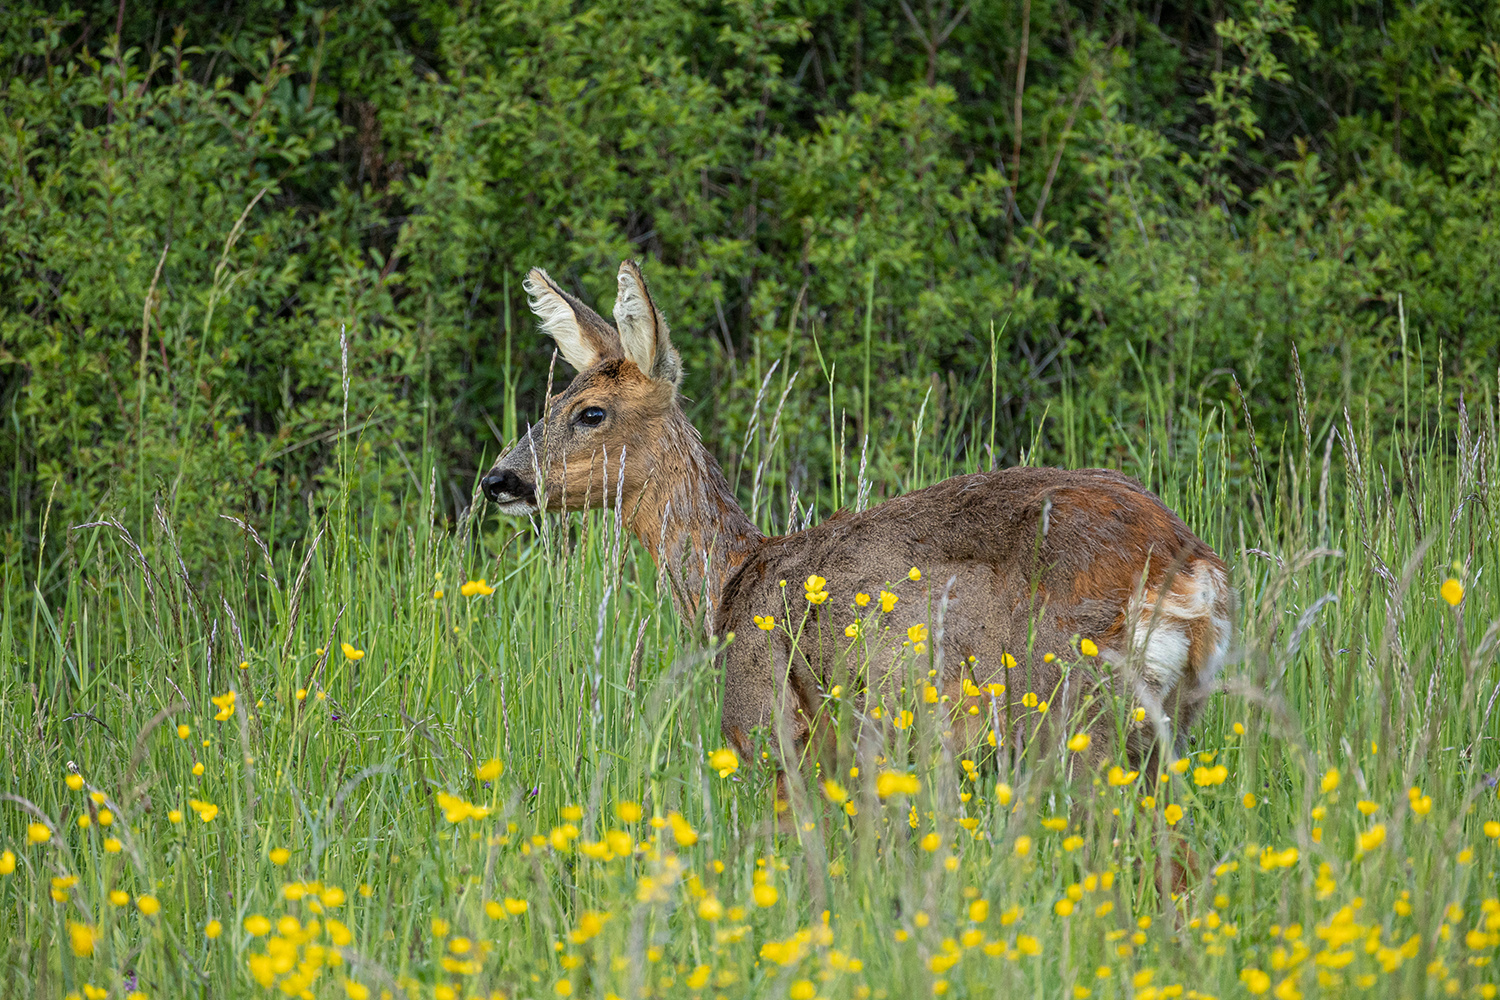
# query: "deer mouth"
(516, 506)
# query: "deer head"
(613, 415)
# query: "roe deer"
(1023, 565)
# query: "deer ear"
(644, 336)
(581, 334)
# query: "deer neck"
(688, 519)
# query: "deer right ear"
(582, 337)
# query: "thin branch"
(943, 35)
(1015, 170)
(1062, 141)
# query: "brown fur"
(1019, 562)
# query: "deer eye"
(591, 416)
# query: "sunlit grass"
(422, 762)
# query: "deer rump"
(1016, 563)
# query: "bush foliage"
(210, 222)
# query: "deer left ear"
(643, 332)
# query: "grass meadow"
(409, 758)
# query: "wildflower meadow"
(289, 710)
(408, 758)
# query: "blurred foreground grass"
(416, 760)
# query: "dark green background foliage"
(1167, 195)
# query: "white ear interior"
(559, 321)
(636, 319)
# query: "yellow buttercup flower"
(149, 905)
(225, 704)
(1371, 838)
(815, 589)
(862, 599)
(82, 938)
(887, 601)
(351, 654)
(765, 622)
(1256, 981)
(1080, 742)
(456, 810)
(1270, 858)
(725, 761)
(1205, 776)
(890, 783)
(74, 781)
(1452, 591)
(490, 770)
(38, 833)
(1087, 647)
(914, 574)
(212, 929)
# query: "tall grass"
(1347, 844)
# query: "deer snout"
(505, 487)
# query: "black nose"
(505, 486)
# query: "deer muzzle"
(510, 491)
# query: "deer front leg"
(767, 716)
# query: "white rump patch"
(559, 321)
(1162, 633)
